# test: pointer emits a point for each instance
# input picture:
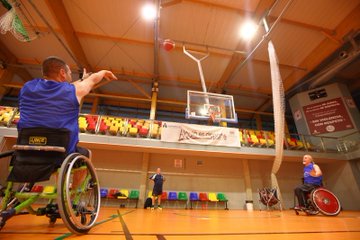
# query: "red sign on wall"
(328, 116)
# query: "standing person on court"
(312, 179)
(53, 101)
(158, 180)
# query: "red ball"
(168, 44)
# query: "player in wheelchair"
(48, 133)
(39, 152)
(311, 195)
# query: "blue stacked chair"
(172, 196)
(194, 197)
(103, 192)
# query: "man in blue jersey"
(312, 179)
(158, 180)
(53, 101)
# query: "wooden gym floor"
(175, 224)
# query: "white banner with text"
(200, 134)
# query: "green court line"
(97, 223)
(125, 228)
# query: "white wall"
(340, 179)
(120, 169)
(221, 175)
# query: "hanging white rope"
(279, 113)
(278, 95)
(279, 106)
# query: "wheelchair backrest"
(44, 137)
(36, 157)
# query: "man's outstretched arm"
(84, 87)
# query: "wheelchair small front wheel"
(311, 209)
(324, 200)
(78, 193)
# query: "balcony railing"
(142, 128)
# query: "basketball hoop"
(214, 113)
(212, 119)
(200, 105)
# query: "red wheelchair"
(321, 200)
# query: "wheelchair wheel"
(327, 203)
(78, 193)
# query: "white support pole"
(198, 61)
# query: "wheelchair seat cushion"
(34, 165)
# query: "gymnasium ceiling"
(308, 37)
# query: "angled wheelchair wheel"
(78, 193)
(324, 200)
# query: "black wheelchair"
(39, 153)
(321, 200)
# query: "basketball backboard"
(201, 105)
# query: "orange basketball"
(168, 44)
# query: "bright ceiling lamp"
(148, 12)
(248, 30)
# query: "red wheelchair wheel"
(327, 203)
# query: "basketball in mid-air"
(168, 44)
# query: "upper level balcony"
(129, 134)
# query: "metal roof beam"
(324, 49)
(7, 57)
(236, 59)
(62, 18)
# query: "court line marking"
(240, 234)
(123, 224)
(188, 234)
(112, 217)
(160, 237)
(203, 216)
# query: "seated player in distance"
(312, 179)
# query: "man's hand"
(85, 74)
(84, 86)
(108, 75)
(316, 172)
(313, 173)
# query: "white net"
(212, 110)
(279, 113)
(13, 21)
(6, 21)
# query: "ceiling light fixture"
(248, 30)
(148, 12)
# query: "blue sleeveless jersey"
(46, 103)
(310, 179)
